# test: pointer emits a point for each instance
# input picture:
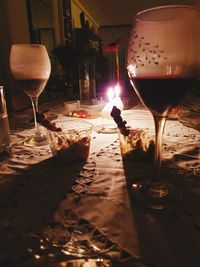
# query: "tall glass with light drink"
(30, 67)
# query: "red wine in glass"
(162, 64)
(160, 94)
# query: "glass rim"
(28, 44)
(87, 125)
(158, 8)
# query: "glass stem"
(159, 129)
(34, 101)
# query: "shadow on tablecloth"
(169, 237)
(28, 201)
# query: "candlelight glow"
(108, 107)
(113, 94)
(110, 94)
(117, 100)
(117, 90)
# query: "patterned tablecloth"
(49, 210)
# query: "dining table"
(84, 213)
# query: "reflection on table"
(53, 213)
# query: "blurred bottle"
(4, 128)
(87, 84)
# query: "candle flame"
(117, 100)
(117, 90)
(110, 94)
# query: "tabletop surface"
(49, 210)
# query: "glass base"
(157, 195)
(76, 250)
(107, 129)
(36, 141)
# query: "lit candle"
(117, 100)
(108, 107)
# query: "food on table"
(137, 145)
(71, 146)
(116, 115)
(81, 114)
(44, 121)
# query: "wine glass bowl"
(163, 63)
(30, 67)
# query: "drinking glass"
(163, 62)
(5, 141)
(30, 67)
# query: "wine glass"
(30, 67)
(163, 62)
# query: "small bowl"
(90, 108)
(73, 142)
(71, 105)
(136, 144)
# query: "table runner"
(102, 198)
(158, 239)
